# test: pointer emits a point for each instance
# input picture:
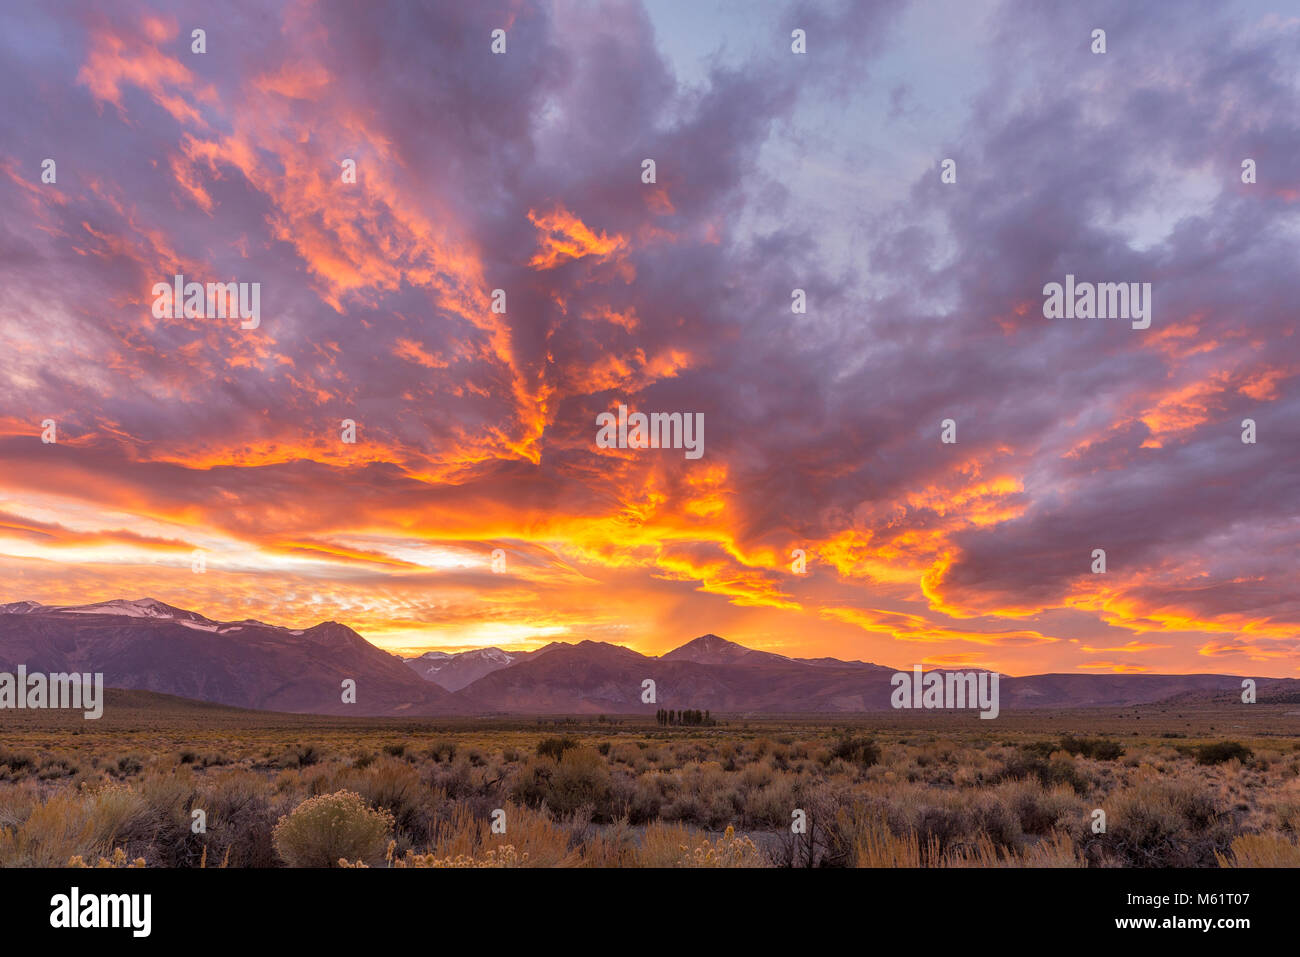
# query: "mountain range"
(150, 645)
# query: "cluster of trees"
(668, 716)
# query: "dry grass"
(874, 793)
(1261, 850)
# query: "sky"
(204, 464)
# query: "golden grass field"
(1204, 786)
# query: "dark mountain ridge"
(150, 645)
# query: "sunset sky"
(775, 171)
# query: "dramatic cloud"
(475, 506)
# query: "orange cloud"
(563, 237)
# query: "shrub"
(1098, 748)
(860, 751)
(582, 779)
(443, 751)
(128, 765)
(389, 785)
(1163, 823)
(322, 830)
(554, 748)
(770, 804)
(646, 799)
(1221, 751)
(531, 781)
(16, 762)
(240, 820)
(1041, 811)
(1024, 763)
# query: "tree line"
(685, 716)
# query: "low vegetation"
(642, 793)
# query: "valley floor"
(174, 783)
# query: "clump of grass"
(52, 834)
(468, 833)
(1261, 850)
(662, 845)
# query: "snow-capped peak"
(139, 608)
(20, 607)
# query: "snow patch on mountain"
(196, 625)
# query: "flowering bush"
(323, 829)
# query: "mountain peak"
(711, 642)
(20, 607)
(129, 608)
(328, 631)
(456, 671)
(711, 649)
